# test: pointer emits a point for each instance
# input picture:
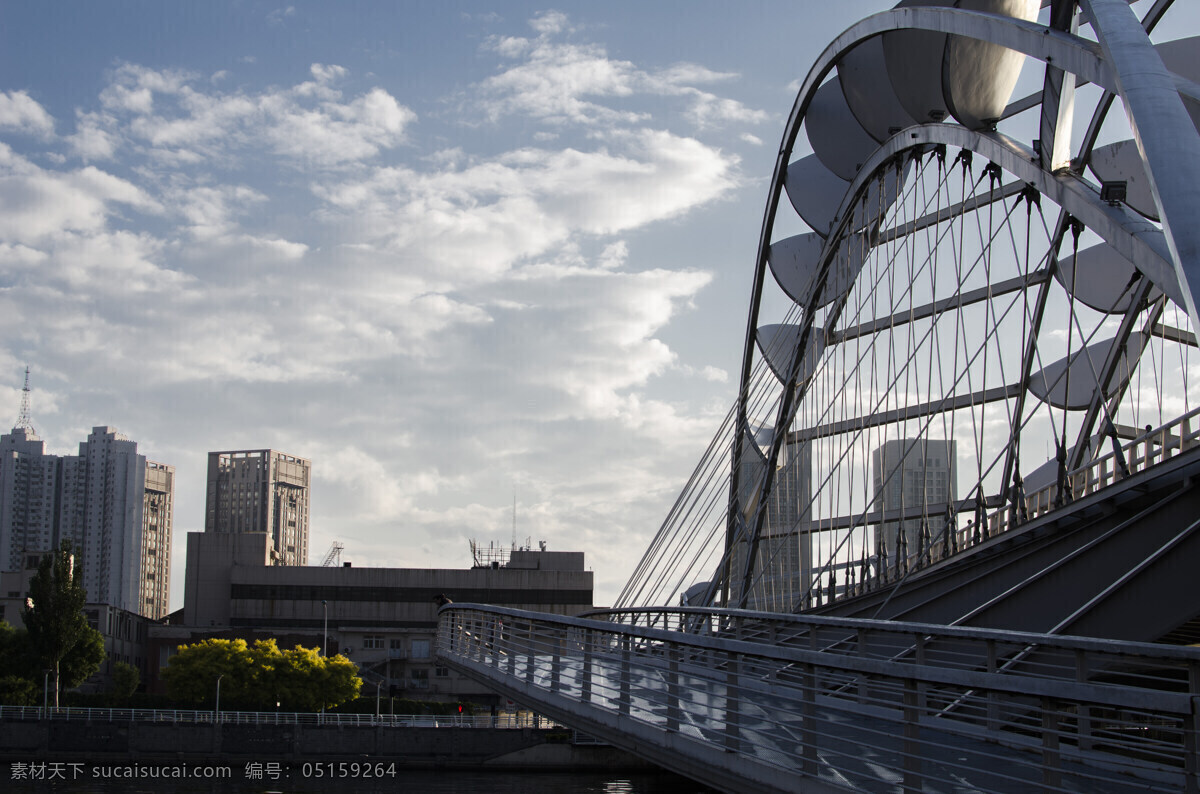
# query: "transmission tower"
(24, 420)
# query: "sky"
(456, 254)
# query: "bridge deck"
(743, 700)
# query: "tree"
(125, 680)
(192, 673)
(17, 691)
(54, 618)
(258, 676)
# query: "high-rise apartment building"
(111, 503)
(261, 490)
(917, 477)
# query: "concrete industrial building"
(261, 490)
(913, 475)
(113, 505)
(383, 619)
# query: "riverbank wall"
(296, 744)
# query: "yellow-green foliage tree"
(258, 676)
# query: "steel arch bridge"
(946, 537)
(969, 311)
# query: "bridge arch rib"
(948, 306)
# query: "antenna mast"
(514, 537)
(24, 419)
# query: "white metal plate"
(815, 192)
(1103, 279)
(777, 343)
(1122, 162)
(1050, 385)
(863, 74)
(1182, 57)
(914, 67)
(978, 77)
(794, 264)
(835, 134)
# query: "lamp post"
(325, 635)
(324, 648)
(217, 706)
(45, 692)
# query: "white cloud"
(36, 204)
(565, 83)
(22, 113)
(183, 124)
(419, 321)
(478, 221)
(549, 22)
(93, 139)
(279, 15)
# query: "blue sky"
(445, 250)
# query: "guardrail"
(1148, 449)
(201, 716)
(728, 695)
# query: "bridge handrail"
(944, 659)
(231, 717)
(1057, 641)
(1035, 700)
(1139, 454)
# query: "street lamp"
(45, 692)
(217, 707)
(325, 636)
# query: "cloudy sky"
(447, 251)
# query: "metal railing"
(855, 704)
(207, 716)
(1148, 449)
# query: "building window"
(420, 649)
(372, 641)
(441, 672)
(420, 679)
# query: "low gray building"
(384, 619)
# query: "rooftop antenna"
(24, 419)
(514, 537)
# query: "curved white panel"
(1121, 162)
(794, 264)
(814, 191)
(978, 77)
(914, 67)
(1103, 279)
(835, 134)
(863, 74)
(1182, 57)
(1050, 385)
(777, 343)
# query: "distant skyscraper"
(913, 475)
(261, 490)
(113, 505)
(783, 564)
